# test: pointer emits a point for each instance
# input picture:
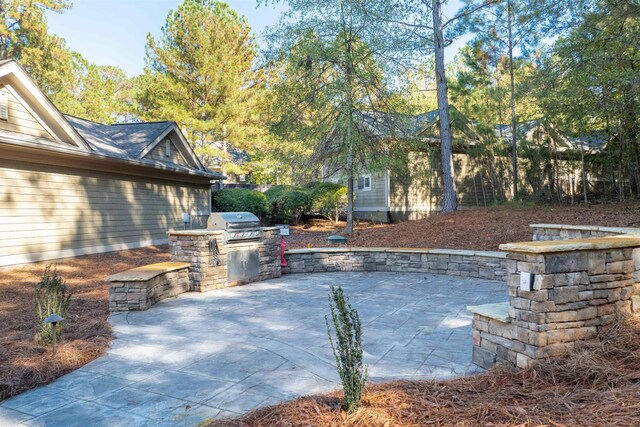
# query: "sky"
(113, 32)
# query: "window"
(167, 148)
(364, 182)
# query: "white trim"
(14, 260)
(364, 178)
(186, 147)
(41, 143)
(146, 150)
(35, 115)
(12, 68)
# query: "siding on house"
(53, 211)
(372, 204)
(415, 188)
(159, 153)
(20, 120)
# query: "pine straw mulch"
(24, 364)
(596, 385)
(479, 229)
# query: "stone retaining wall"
(478, 264)
(546, 232)
(579, 287)
(140, 288)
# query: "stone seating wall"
(547, 232)
(478, 264)
(140, 288)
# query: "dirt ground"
(595, 385)
(25, 364)
(480, 229)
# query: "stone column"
(579, 287)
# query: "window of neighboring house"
(167, 148)
(243, 178)
(364, 183)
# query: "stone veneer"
(479, 264)
(192, 246)
(141, 287)
(579, 287)
(546, 232)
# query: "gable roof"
(128, 142)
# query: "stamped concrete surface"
(224, 352)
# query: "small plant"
(52, 296)
(347, 348)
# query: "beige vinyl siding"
(51, 212)
(21, 121)
(159, 153)
(371, 198)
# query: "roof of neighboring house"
(592, 142)
(418, 126)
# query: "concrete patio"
(221, 353)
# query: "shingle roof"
(124, 141)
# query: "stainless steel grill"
(237, 226)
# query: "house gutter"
(34, 152)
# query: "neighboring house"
(71, 187)
(233, 163)
(412, 188)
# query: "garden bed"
(596, 385)
(23, 363)
(478, 229)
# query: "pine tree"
(201, 74)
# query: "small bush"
(52, 296)
(290, 205)
(347, 348)
(241, 200)
(329, 200)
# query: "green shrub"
(241, 200)
(290, 205)
(52, 296)
(310, 186)
(329, 200)
(277, 190)
(347, 348)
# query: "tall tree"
(330, 81)
(589, 85)
(201, 74)
(24, 37)
(510, 27)
(419, 26)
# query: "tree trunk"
(350, 156)
(349, 228)
(514, 146)
(449, 193)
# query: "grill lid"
(232, 220)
